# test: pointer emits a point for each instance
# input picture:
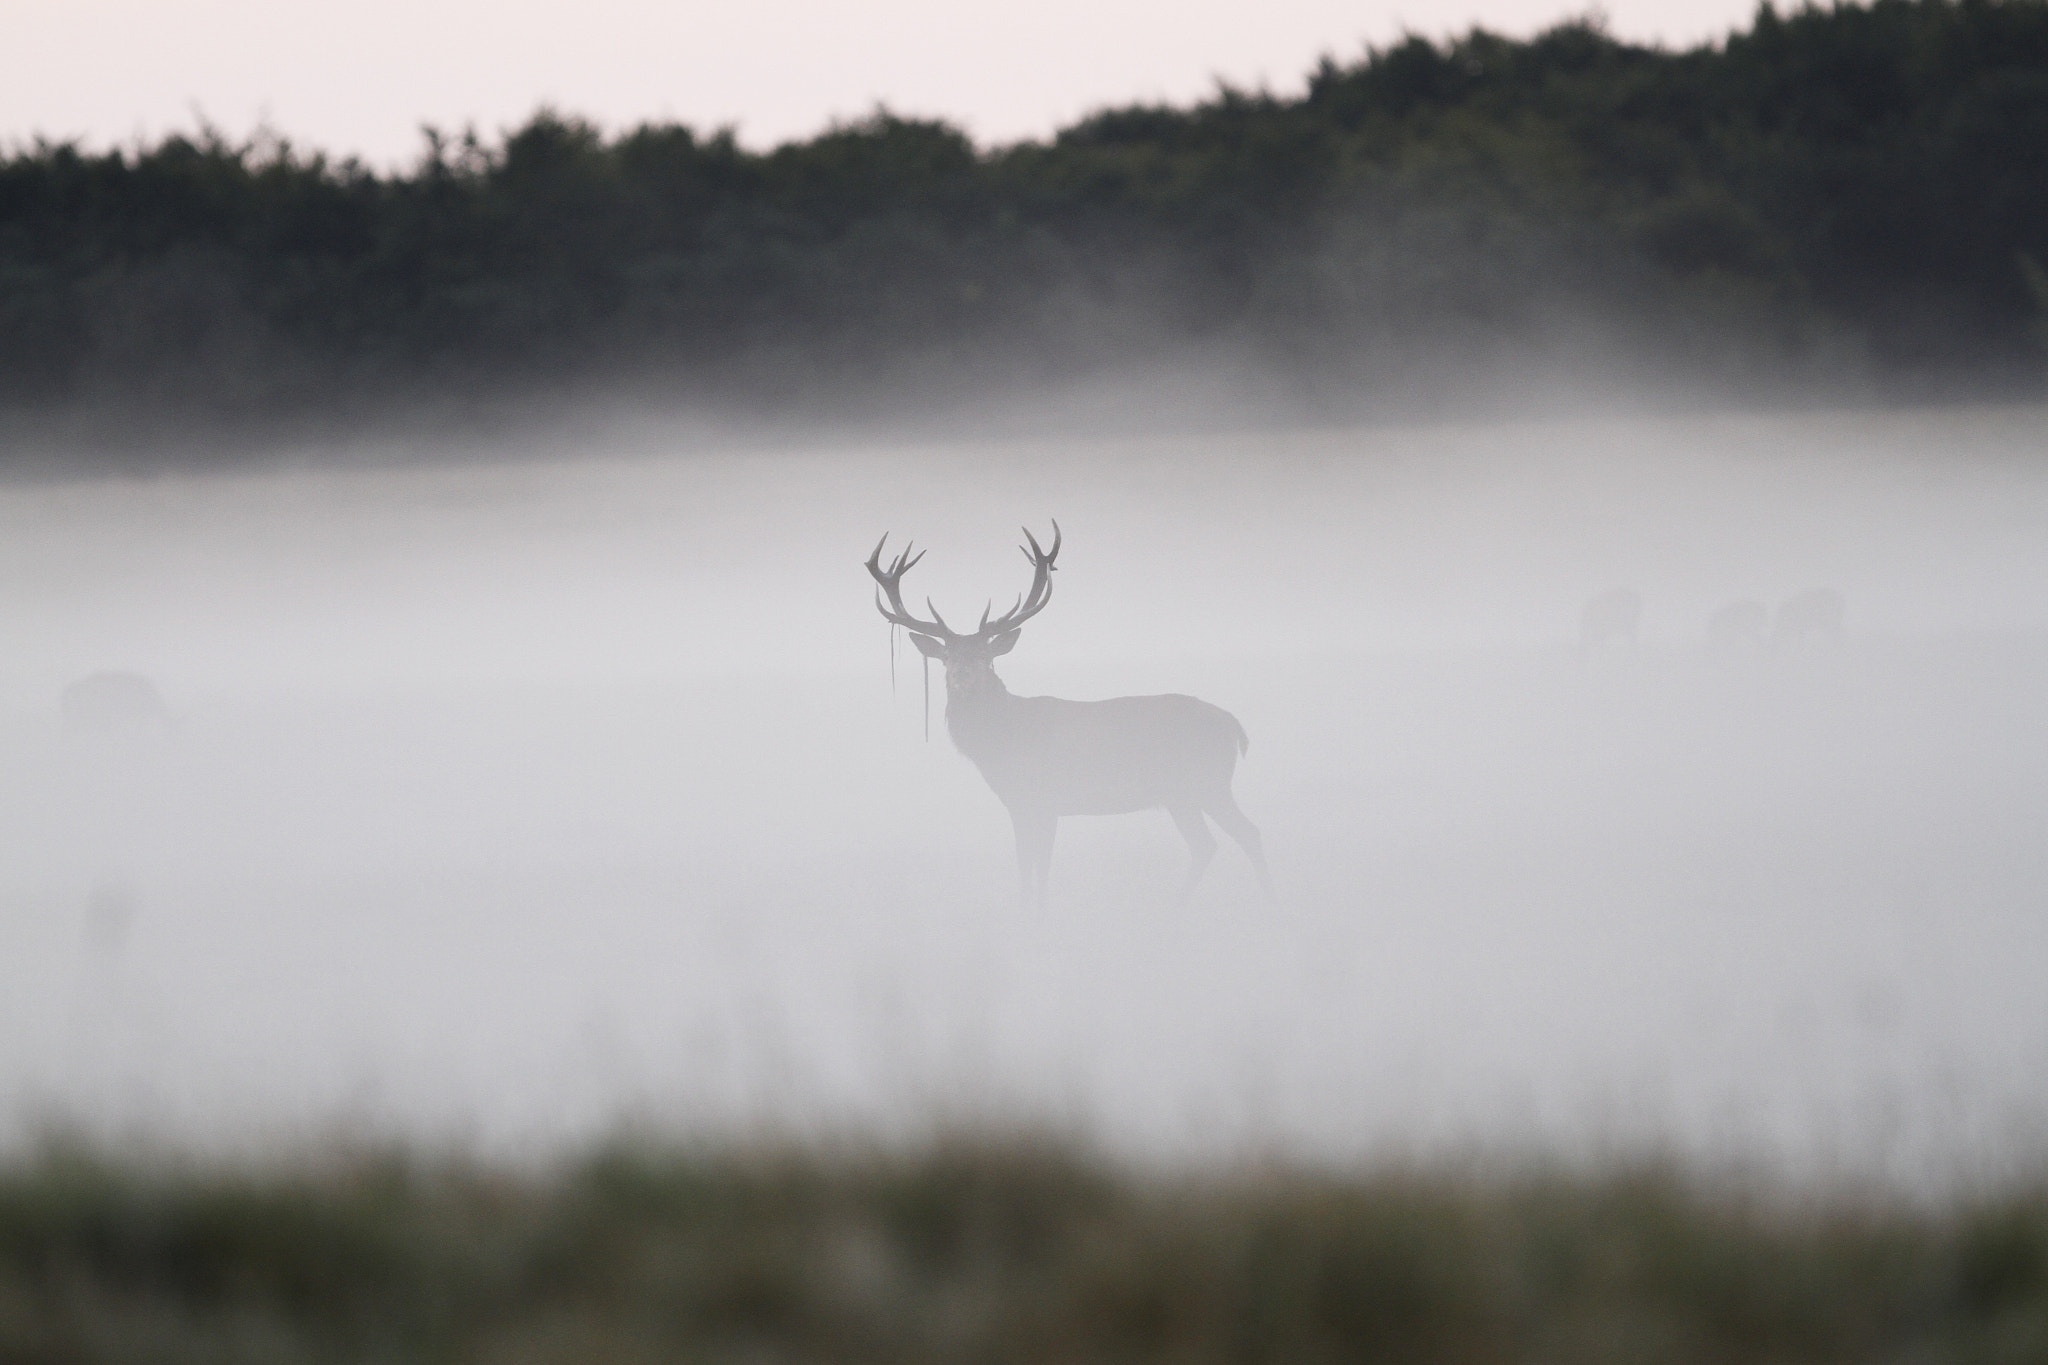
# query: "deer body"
(1045, 757)
(1098, 757)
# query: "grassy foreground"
(988, 1252)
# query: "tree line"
(1863, 186)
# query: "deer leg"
(1225, 813)
(1034, 853)
(1201, 843)
(1052, 827)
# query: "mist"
(513, 795)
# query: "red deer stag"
(1045, 757)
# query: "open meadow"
(504, 800)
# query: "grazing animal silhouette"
(1045, 757)
(1614, 615)
(114, 704)
(1815, 614)
(1738, 627)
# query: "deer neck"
(977, 707)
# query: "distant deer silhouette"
(1614, 615)
(1815, 614)
(114, 704)
(1045, 757)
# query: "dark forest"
(1857, 193)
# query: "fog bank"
(505, 800)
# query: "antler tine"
(898, 565)
(889, 583)
(889, 590)
(1034, 554)
(901, 564)
(1034, 601)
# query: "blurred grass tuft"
(990, 1249)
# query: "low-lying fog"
(502, 801)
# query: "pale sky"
(361, 77)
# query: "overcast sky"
(361, 77)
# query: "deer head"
(969, 656)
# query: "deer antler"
(891, 583)
(1023, 609)
(1032, 602)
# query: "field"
(516, 793)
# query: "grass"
(989, 1251)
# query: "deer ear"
(1003, 643)
(927, 646)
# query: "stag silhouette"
(1045, 757)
